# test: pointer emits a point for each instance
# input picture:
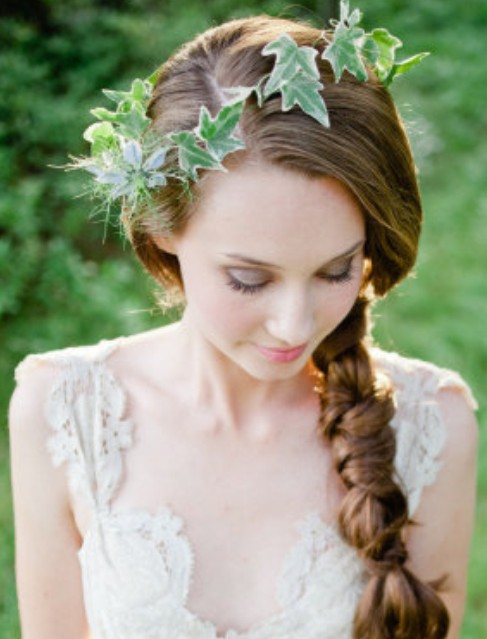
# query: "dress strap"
(86, 413)
(418, 422)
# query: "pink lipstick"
(282, 355)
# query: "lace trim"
(86, 410)
(154, 549)
(315, 539)
(418, 422)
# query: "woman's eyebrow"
(255, 262)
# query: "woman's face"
(271, 261)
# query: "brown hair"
(367, 150)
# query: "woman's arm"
(47, 540)
(439, 543)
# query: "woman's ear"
(165, 243)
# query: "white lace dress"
(137, 566)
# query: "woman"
(258, 469)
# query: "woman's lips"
(282, 355)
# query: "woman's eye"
(246, 281)
(342, 274)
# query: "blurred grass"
(64, 286)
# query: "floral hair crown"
(128, 159)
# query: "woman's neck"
(217, 383)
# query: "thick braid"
(357, 408)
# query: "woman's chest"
(239, 501)
(218, 478)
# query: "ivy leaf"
(152, 79)
(305, 92)
(131, 124)
(223, 123)
(217, 131)
(344, 51)
(347, 18)
(191, 156)
(291, 61)
(380, 50)
(140, 91)
(405, 65)
(101, 136)
(296, 77)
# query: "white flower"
(132, 153)
(155, 160)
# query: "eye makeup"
(252, 280)
(246, 281)
(342, 273)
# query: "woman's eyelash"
(250, 289)
(246, 289)
(342, 276)
(336, 278)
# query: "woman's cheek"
(223, 310)
(339, 303)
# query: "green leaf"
(370, 50)
(405, 65)
(101, 136)
(296, 77)
(192, 156)
(98, 130)
(223, 146)
(291, 60)
(104, 114)
(302, 93)
(138, 91)
(384, 45)
(350, 20)
(344, 52)
(152, 79)
(217, 132)
(131, 124)
(114, 96)
(223, 123)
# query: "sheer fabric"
(137, 566)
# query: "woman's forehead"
(260, 210)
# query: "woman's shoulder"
(69, 404)
(45, 364)
(51, 383)
(415, 379)
(435, 423)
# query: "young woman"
(257, 470)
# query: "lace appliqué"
(137, 569)
(418, 422)
(86, 411)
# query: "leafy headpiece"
(128, 159)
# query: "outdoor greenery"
(66, 279)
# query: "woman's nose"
(290, 318)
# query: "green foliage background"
(62, 284)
